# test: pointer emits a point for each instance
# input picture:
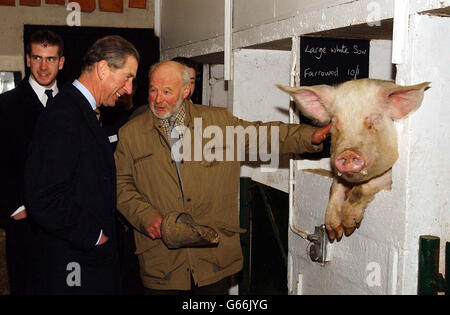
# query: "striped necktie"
(97, 113)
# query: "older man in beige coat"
(152, 182)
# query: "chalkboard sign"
(331, 61)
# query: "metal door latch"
(318, 246)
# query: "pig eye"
(372, 121)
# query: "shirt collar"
(178, 118)
(86, 93)
(40, 90)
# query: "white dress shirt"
(40, 90)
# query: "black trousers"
(20, 247)
(62, 269)
(218, 288)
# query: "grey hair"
(114, 49)
(183, 71)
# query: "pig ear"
(405, 99)
(312, 101)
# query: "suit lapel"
(27, 108)
(30, 97)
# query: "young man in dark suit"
(70, 177)
(20, 108)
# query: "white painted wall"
(261, 21)
(13, 19)
(426, 144)
(379, 65)
(187, 21)
(256, 98)
(267, 11)
(193, 25)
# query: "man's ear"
(186, 91)
(28, 61)
(61, 62)
(102, 69)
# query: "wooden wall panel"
(55, 2)
(111, 5)
(8, 2)
(32, 3)
(141, 4)
(87, 5)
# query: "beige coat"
(148, 186)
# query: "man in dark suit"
(19, 109)
(70, 177)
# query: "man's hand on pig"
(321, 134)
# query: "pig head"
(363, 140)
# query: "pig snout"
(349, 162)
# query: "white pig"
(363, 140)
